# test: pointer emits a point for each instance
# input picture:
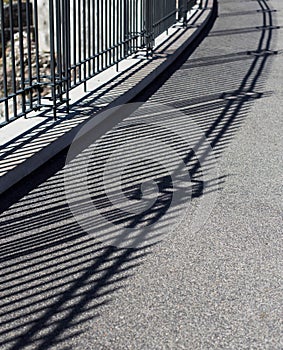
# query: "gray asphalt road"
(203, 271)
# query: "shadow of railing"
(56, 277)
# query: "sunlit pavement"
(218, 286)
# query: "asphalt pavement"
(192, 259)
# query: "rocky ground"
(29, 67)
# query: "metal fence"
(84, 37)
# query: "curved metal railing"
(49, 47)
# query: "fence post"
(66, 50)
(185, 12)
(126, 27)
(52, 55)
(148, 27)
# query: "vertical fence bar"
(119, 11)
(59, 10)
(79, 41)
(13, 58)
(106, 28)
(29, 50)
(148, 25)
(84, 43)
(89, 29)
(52, 56)
(126, 29)
(37, 83)
(98, 42)
(102, 33)
(93, 51)
(4, 65)
(21, 54)
(66, 49)
(74, 62)
(185, 12)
